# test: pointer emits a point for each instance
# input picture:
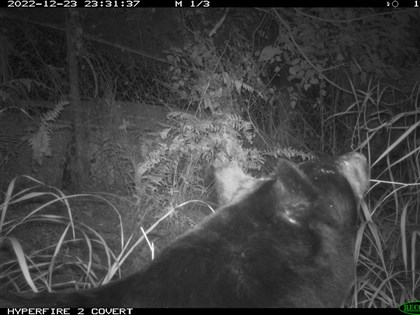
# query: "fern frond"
(186, 146)
(53, 114)
(41, 138)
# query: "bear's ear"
(232, 183)
(354, 167)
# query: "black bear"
(282, 241)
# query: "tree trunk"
(4, 57)
(74, 176)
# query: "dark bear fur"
(282, 241)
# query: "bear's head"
(304, 217)
(346, 175)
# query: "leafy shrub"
(177, 164)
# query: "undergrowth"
(388, 239)
(178, 165)
(73, 248)
(76, 246)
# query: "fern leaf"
(41, 138)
